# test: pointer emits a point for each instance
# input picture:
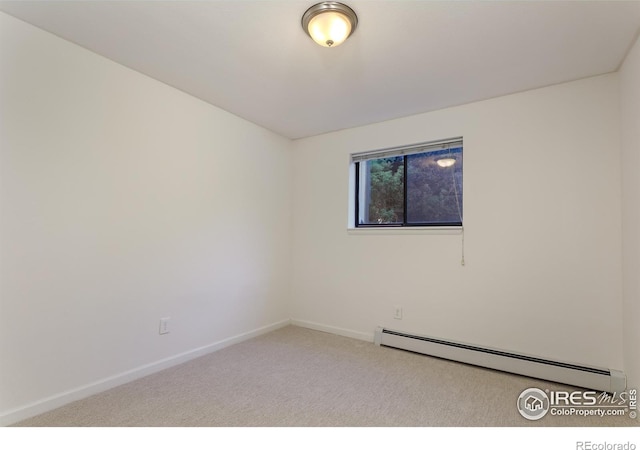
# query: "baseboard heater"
(595, 378)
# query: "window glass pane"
(382, 191)
(434, 187)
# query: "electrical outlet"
(164, 325)
(397, 312)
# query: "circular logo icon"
(533, 404)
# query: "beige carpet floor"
(300, 377)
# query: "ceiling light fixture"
(329, 23)
(446, 162)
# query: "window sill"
(404, 230)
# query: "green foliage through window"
(386, 189)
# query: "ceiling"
(253, 59)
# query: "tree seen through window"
(411, 190)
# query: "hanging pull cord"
(462, 260)
(455, 190)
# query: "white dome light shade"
(330, 23)
(329, 29)
(446, 162)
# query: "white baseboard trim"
(63, 398)
(333, 330)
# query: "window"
(412, 186)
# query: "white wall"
(123, 201)
(542, 213)
(630, 124)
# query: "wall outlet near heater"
(397, 312)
